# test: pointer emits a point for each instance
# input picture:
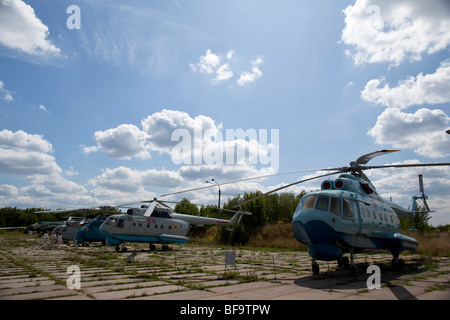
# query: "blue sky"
(87, 114)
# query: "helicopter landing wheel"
(353, 270)
(124, 249)
(315, 267)
(398, 263)
(117, 249)
(152, 247)
(165, 248)
(344, 262)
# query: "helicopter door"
(350, 213)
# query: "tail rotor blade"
(421, 183)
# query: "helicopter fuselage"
(132, 228)
(347, 215)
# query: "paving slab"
(191, 272)
(136, 293)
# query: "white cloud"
(8, 190)
(211, 64)
(24, 141)
(27, 162)
(124, 179)
(247, 77)
(395, 31)
(161, 125)
(423, 89)
(223, 73)
(87, 150)
(124, 142)
(6, 93)
(423, 131)
(207, 63)
(71, 172)
(22, 30)
(28, 154)
(43, 108)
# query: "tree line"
(272, 209)
(16, 217)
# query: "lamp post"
(212, 179)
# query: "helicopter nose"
(103, 231)
(300, 232)
(311, 227)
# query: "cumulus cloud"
(22, 30)
(424, 89)
(212, 64)
(127, 180)
(423, 131)
(206, 152)
(161, 126)
(247, 77)
(8, 190)
(27, 162)
(24, 153)
(124, 142)
(27, 154)
(24, 141)
(396, 31)
(208, 63)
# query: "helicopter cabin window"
(322, 203)
(347, 211)
(120, 223)
(160, 214)
(309, 202)
(335, 206)
(111, 221)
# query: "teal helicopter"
(90, 233)
(347, 215)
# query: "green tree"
(185, 206)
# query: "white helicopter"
(158, 224)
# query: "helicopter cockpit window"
(160, 214)
(347, 209)
(322, 203)
(309, 202)
(335, 206)
(111, 221)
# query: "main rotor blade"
(241, 180)
(411, 165)
(367, 157)
(197, 204)
(284, 187)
